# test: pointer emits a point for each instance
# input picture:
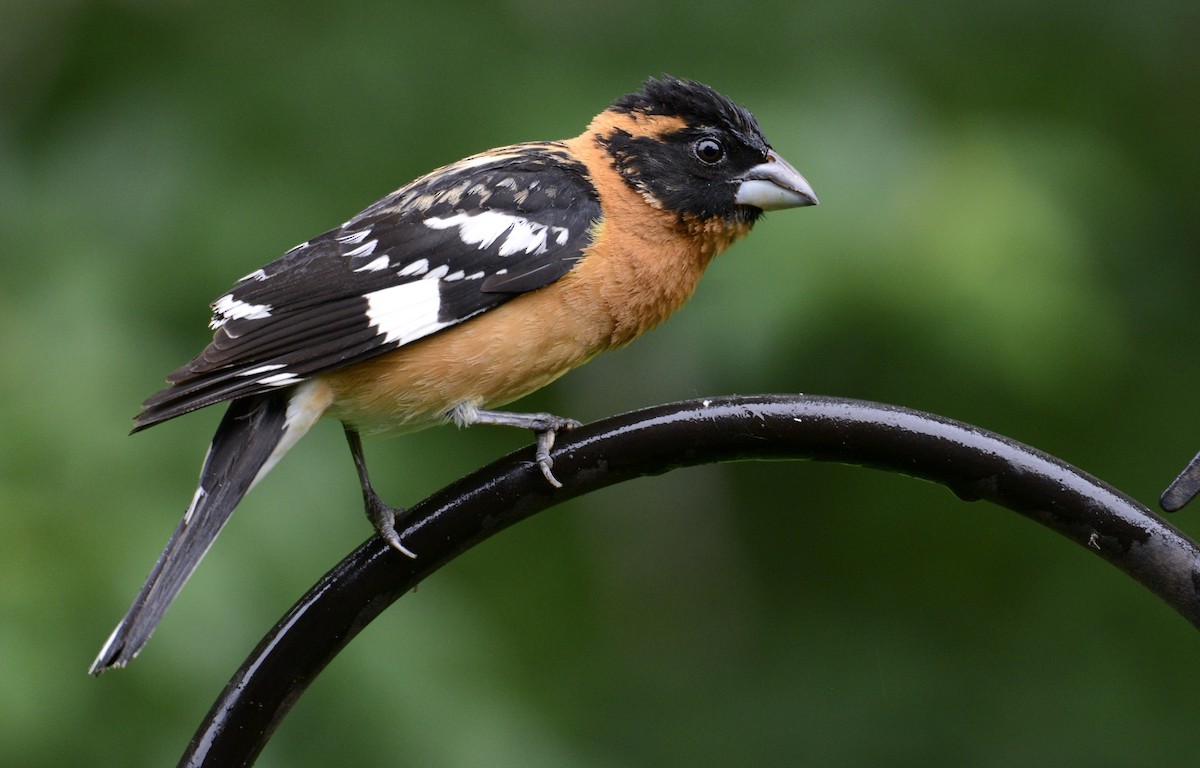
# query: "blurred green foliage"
(1008, 236)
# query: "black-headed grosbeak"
(462, 291)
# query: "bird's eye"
(709, 151)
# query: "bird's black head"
(692, 151)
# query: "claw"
(383, 517)
(545, 441)
(546, 432)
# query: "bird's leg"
(545, 425)
(381, 515)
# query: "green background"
(1007, 236)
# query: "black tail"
(251, 429)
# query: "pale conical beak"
(773, 185)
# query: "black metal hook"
(1183, 488)
(974, 463)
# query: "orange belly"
(487, 361)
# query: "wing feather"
(454, 243)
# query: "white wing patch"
(228, 308)
(406, 312)
(260, 370)
(366, 249)
(353, 238)
(379, 263)
(285, 379)
(418, 267)
(483, 229)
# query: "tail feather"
(245, 441)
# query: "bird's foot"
(384, 517)
(545, 441)
(545, 425)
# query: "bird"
(460, 292)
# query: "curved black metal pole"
(1183, 488)
(974, 463)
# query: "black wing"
(450, 245)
